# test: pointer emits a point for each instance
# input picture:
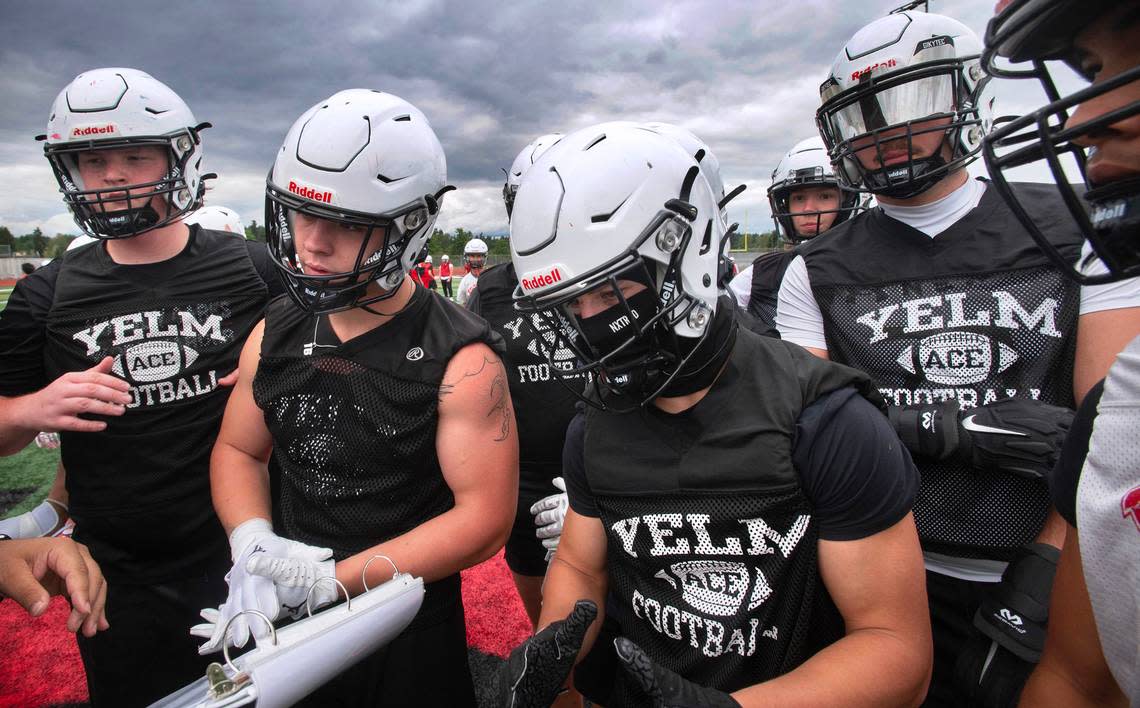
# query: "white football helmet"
(475, 254)
(806, 165)
(522, 163)
(619, 201)
(701, 152)
(107, 109)
(428, 259)
(362, 158)
(893, 75)
(217, 218)
(80, 241)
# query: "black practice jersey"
(767, 274)
(977, 313)
(712, 532)
(354, 425)
(140, 490)
(543, 404)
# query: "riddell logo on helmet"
(550, 276)
(83, 131)
(317, 195)
(878, 66)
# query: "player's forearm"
(1053, 685)
(239, 484)
(865, 668)
(456, 539)
(565, 584)
(14, 432)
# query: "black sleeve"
(858, 476)
(1067, 473)
(23, 324)
(574, 468)
(259, 254)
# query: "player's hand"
(537, 669)
(549, 515)
(45, 520)
(58, 405)
(665, 688)
(302, 575)
(32, 570)
(246, 592)
(289, 567)
(1011, 625)
(1016, 435)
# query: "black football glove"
(536, 670)
(665, 688)
(1016, 435)
(1011, 623)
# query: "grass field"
(31, 468)
(5, 293)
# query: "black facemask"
(624, 367)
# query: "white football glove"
(44, 520)
(293, 569)
(549, 515)
(248, 591)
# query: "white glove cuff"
(245, 532)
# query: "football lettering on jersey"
(153, 349)
(710, 587)
(532, 330)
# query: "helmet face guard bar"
(860, 119)
(89, 206)
(323, 294)
(1108, 215)
(652, 347)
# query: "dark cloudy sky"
(490, 76)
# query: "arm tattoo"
(500, 399)
(446, 388)
(499, 394)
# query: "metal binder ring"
(364, 573)
(226, 632)
(309, 595)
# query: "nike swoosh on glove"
(536, 670)
(549, 515)
(665, 688)
(247, 592)
(1017, 435)
(294, 570)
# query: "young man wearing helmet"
(474, 258)
(127, 347)
(940, 295)
(806, 200)
(544, 407)
(774, 558)
(445, 275)
(385, 408)
(1090, 654)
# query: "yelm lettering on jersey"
(152, 324)
(663, 528)
(948, 311)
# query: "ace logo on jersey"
(717, 587)
(957, 358)
(152, 350)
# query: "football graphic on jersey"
(153, 360)
(716, 587)
(957, 358)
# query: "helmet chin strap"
(920, 175)
(126, 222)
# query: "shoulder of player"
(474, 372)
(38, 289)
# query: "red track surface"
(40, 664)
